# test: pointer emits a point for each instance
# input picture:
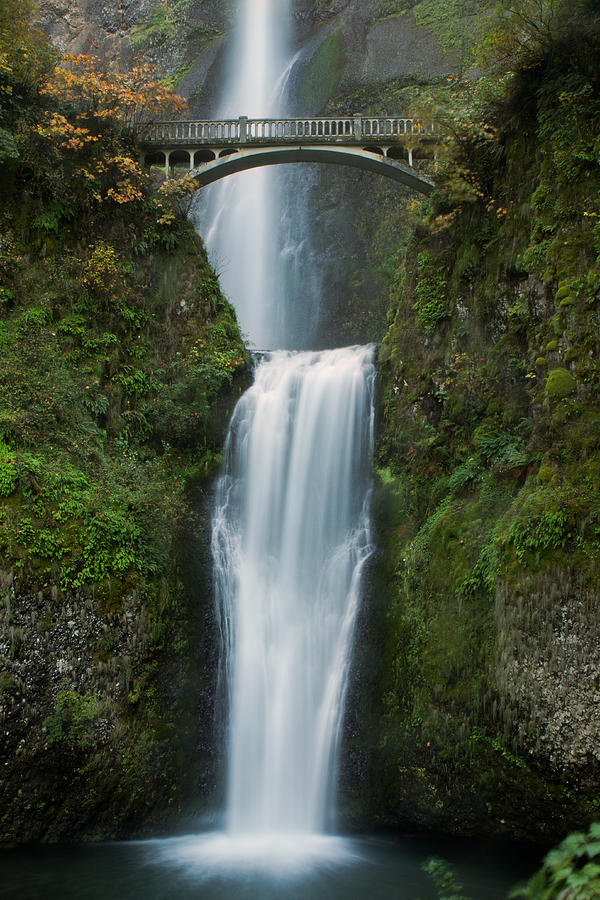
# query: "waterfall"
(242, 211)
(290, 536)
(291, 524)
(254, 223)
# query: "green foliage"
(493, 449)
(447, 886)
(455, 23)
(74, 720)
(8, 145)
(385, 8)
(500, 447)
(571, 870)
(549, 530)
(105, 364)
(524, 30)
(50, 219)
(8, 471)
(431, 305)
(112, 323)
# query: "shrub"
(571, 870)
(8, 471)
(431, 306)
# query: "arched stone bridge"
(209, 150)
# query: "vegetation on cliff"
(489, 457)
(118, 362)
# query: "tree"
(25, 59)
(523, 30)
(26, 55)
(134, 98)
(91, 106)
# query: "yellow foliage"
(61, 132)
(131, 97)
(127, 188)
(102, 272)
(179, 191)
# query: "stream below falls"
(201, 867)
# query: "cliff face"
(108, 442)
(120, 361)
(483, 642)
(370, 42)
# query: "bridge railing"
(341, 129)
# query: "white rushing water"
(290, 537)
(243, 212)
(291, 524)
(255, 224)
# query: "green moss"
(320, 78)
(552, 345)
(559, 384)
(162, 24)
(453, 22)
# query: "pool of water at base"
(216, 867)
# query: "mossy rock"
(545, 474)
(559, 384)
(321, 76)
(551, 346)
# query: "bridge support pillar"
(167, 163)
(410, 156)
(358, 128)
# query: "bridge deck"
(330, 130)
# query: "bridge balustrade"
(242, 130)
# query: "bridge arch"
(367, 160)
(155, 158)
(203, 155)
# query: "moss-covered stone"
(321, 75)
(559, 384)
